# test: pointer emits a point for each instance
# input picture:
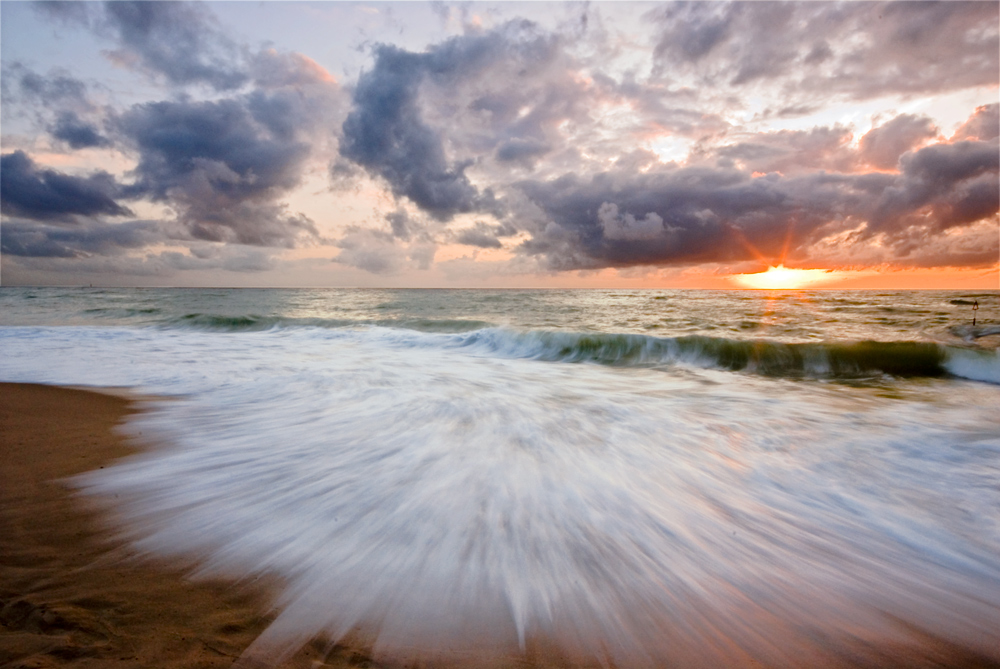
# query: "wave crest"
(769, 358)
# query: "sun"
(780, 277)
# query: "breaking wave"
(829, 360)
(765, 357)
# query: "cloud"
(231, 259)
(67, 11)
(409, 243)
(881, 147)
(692, 31)
(573, 148)
(698, 214)
(378, 252)
(401, 223)
(385, 134)
(420, 121)
(120, 249)
(730, 24)
(944, 186)
(56, 103)
(77, 133)
(175, 41)
(983, 125)
(125, 269)
(481, 235)
(275, 69)
(47, 195)
(860, 50)
(223, 164)
(696, 208)
(181, 44)
(616, 226)
(785, 151)
(57, 89)
(222, 143)
(91, 238)
(521, 150)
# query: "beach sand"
(73, 595)
(70, 595)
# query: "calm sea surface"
(622, 477)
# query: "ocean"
(616, 478)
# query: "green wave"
(770, 358)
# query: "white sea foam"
(437, 499)
(974, 364)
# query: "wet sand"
(70, 594)
(73, 595)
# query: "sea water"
(628, 478)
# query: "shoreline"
(72, 594)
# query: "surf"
(429, 498)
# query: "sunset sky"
(616, 144)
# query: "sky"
(480, 144)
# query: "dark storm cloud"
(386, 135)
(689, 215)
(221, 143)
(861, 49)
(77, 133)
(47, 241)
(389, 132)
(222, 164)
(47, 195)
(955, 184)
(696, 207)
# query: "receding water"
(634, 478)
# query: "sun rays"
(784, 278)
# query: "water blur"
(453, 494)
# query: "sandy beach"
(70, 595)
